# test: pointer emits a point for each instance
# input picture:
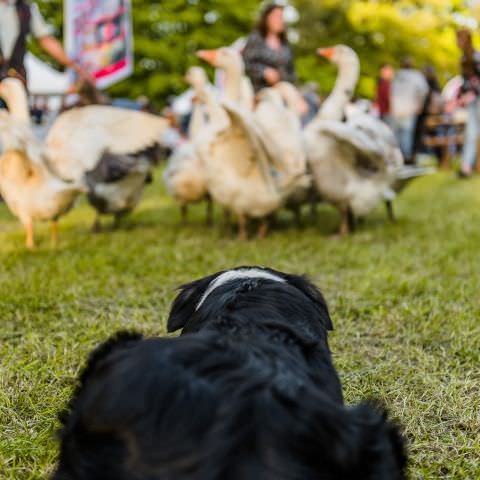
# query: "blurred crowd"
(407, 98)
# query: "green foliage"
(168, 32)
(380, 31)
(167, 35)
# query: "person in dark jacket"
(268, 56)
(19, 19)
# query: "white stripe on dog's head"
(235, 275)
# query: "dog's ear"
(306, 286)
(378, 443)
(186, 302)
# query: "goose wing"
(81, 136)
(373, 143)
(282, 130)
(408, 173)
(239, 140)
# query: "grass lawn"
(404, 299)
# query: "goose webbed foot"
(313, 209)
(227, 221)
(117, 220)
(29, 238)
(297, 212)
(348, 224)
(97, 225)
(242, 227)
(183, 214)
(54, 233)
(263, 229)
(390, 211)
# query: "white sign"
(99, 36)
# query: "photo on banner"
(99, 36)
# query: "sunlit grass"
(404, 300)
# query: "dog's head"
(203, 407)
(264, 291)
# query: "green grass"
(404, 299)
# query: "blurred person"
(384, 84)
(19, 19)
(268, 56)
(407, 99)
(469, 98)
(433, 105)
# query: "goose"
(111, 150)
(248, 171)
(303, 194)
(354, 163)
(30, 189)
(184, 175)
(278, 126)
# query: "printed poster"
(99, 36)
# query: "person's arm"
(54, 48)
(43, 33)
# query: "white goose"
(113, 149)
(354, 163)
(184, 175)
(29, 187)
(303, 194)
(247, 170)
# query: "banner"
(99, 35)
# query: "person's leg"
(402, 134)
(469, 153)
(408, 138)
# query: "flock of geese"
(249, 154)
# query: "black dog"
(256, 302)
(251, 395)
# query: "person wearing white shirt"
(19, 19)
(409, 91)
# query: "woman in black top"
(267, 54)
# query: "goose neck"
(334, 105)
(232, 85)
(18, 107)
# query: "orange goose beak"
(327, 53)
(208, 56)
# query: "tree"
(381, 31)
(168, 32)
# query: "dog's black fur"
(252, 394)
(249, 308)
